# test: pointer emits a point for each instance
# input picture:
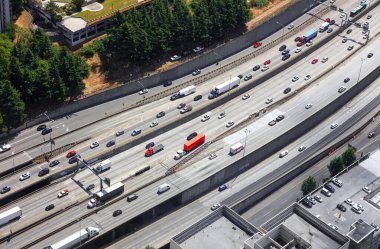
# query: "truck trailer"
(324, 26)
(108, 193)
(193, 143)
(307, 37)
(75, 239)
(225, 87)
(153, 150)
(103, 166)
(9, 215)
(187, 91)
(236, 148)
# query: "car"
(192, 135)
(151, 144)
(175, 57)
(346, 80)
(144, 91)
(5, 189)
(41, 127)
(369, 17)
(308, 44)
(375, 226)
(132, 197)
(285, 57)
(366, 189)
(297, 50)
(181, 105)
(269, 100)
(117, 213)
(46, 131)
(160, 115)
(174, 96)
(287, 90)
(311, 199)
(222, 187)
(349, 202)
(332, 22)
(308, 106)
(221, 115)
(215, 206)
(267, 62)
(329, 30)
(307, 77)
(280, 117)
(5, 147)
(246, 96)
(371, 134)
(272, 123)
(291, 26)
(325, 192)
(360, 207)
(153, 124)
(342, 15)
(314, 61)
(283, 47)
(324, 59)
(337, 182)
(110, 143)
(327, 20)
(255, 68)
(54, 163)
(212, 156)
(198, 97)
(264, 68)
(63, 193)
(167, 83)
(301, 148)
(342, 89)
(257, 44)
(332, 1)
(94, 145)
(364, 32)
(307, 203)
(333, 226)
(71, 154)
(333, 125)
(297, 39)
(370, 55)
(196, 72)
(284, 153)
(197, 49)
(344, 40)
(329, 188)
(49, 207)
(356, 209)
(295, 78)
(205, 118)
(248, 77)
(286, 51)
(229, 124)
(43, 172)
(91, 203)
(240, 76)
(24, 176)
(136, 132)
(89, 187)
(119, 133)
(74, 159)
(350, 47)
(365, 36)
(318, 198)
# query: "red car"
(314, 61)
(267, 62)
(257, 44)
(71, 154)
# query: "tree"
(12, 108)
(52, 8)
(202, 21)
(17, 6)
(336, 165)
(349, 156)
(308, 185)
(149, 247)
(259, 3)
(78, 4)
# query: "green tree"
(202, 22)
(336, 165)
(41, 44)
(259, 3)
(52, 8)
(78, 4)
(149, 247)
(308, 185)
(182, 23)
(349, 156)
(12, 108)
(17, 6)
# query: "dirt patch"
(24, 19)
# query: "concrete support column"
(153, 212)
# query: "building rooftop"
(73, 23)
(360, 230)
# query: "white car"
(221, 115)
(215, 206)
(212, 156)
(337, 182)
(298, 50)
(284, 153)
(324, 59)
(318, 198)
(177, 156)
(349, 202)
(143, 91)
(5, 147)
(307, 77)
(94, 145)
(246, 96)
(342, 15)
(197, 49)
(360, 207)
(230, 123)
(309, 43)
(366, 189)
(153, 124)
(301, 148)
(308, 106)
(291, 26)
(269, 100)
(91, 203)
(264, 68)
(295, 78)
(24, 176)
(63, 193)
(175, 58)
(205, 118)
(333, 126)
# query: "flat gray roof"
(73, 23)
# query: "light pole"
(360, 70)
(283, 27)
(219, 59)
(13, 159)
(245, 141)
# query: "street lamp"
(13, 158)
(283, 27)
(360, 70)
(245, 141)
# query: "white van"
(236, 148)
(163, 188)
(325, 192)
(356, 209)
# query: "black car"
(349, 31)
(89, 187)
(74, 159)
(307, 203)
(160, 114)
(329, 188)
(5, 189)
(329, 30)
(41, 127)
(285, 57)
(283, 47)
(54, 163)
(280, 117)
(341, 207)
(191, 136)
(222, 187)
(287, 90)
(117, 213)
(196, 72)
(332, 22)
(286, 51)
(248, 77)
(255, 68)
(43, 172)
(346, 80)
(182, 105)
(49, 207)
(297, 39)
(370, 55)
(119, 133)
(46, 131)
(371, 134)
(174, 96)
(240, 76)
(167, 83)
(131, 197)
(198, 97)
(110, 143)
(151, 144)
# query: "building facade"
(5, 14)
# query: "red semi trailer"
(193, 143)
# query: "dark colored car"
(287, 90)
(167, 83)
(370, 55)
(329, 30)
(54, 163)
(332, 22)
(74, 159)
(346, 80)
(222, 187)
(43, 172)
(196, 72)
(341, 207)
(307, 203)
(49, 207)
(89, 187)
(248, 77)
(181, 105)
(280, 117)
(283, 47)
(191, 136)
(160, 114)
(329, 188)
(371, 134)
(151, 144)
(5, 189)
(349, 31)
(110, 143)
(240, 76)
(46, 131)
(174, 96)
(285, 57)
(117, 213)
(198, 97)
(255, 68)
(41, 127)
(297, 39)
(131, 197)
(119, 133)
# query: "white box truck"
(187, 91)
(109, 192)
(103, 166)
(225, 87)
(236, 148)
(9, 215)
(73, 240)
(163, 188)
(324, 26)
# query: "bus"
(359, 9)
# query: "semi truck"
(9, 215)
(236, 148)
(307, 37)
(324, 26)
(195, 142)
(75, 239)
(108, 193)
(225, 87)
(153, 150)
(103, 166)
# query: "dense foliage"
(33, 72)
(335, 166)
(308, 185)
